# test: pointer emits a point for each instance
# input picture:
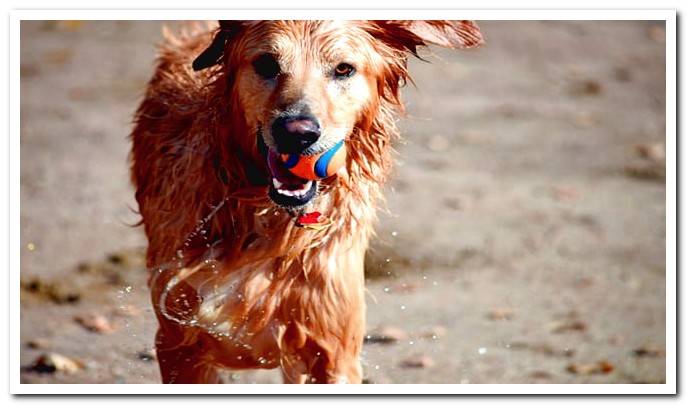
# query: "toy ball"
(315, 167)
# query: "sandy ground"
(525, 239)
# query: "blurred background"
(524, 240)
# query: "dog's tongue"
(280, 172)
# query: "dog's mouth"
(287, 189)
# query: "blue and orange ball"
(319, 166)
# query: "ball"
(319, 166)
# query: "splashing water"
(216, 298)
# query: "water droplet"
(387, 289)
(403, 307)
(31, 246)
(482, 350)
(376, 366)
(394, 233)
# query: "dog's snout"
(295, 134)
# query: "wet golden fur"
(234, 283)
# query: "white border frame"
(669, 16)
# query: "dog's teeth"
(301, 192)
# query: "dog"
(238, 278)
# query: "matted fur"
(234, 283)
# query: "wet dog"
(238, 279)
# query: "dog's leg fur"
(341, 370)
(322, 367)
(184, 364)
(311, 355)
(293, 375)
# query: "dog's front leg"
(341, 371)
(183, 364)
(293, 375)
(314, 365)
(351, 373)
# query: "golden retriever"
(238, 280)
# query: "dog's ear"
(408, 35)
(214, 53)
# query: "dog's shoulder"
(174, 111)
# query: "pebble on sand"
(651, 151)
(648, 351)
(38, 343)
(569, 326)
(386, 334)
(418, 361)
(95, 323)
(54, 362)
(501, 314)
(146, 355)
(601, 367)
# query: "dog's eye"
(267, 66)
(344, 70)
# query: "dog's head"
(304, 86)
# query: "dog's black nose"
(295, 134)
